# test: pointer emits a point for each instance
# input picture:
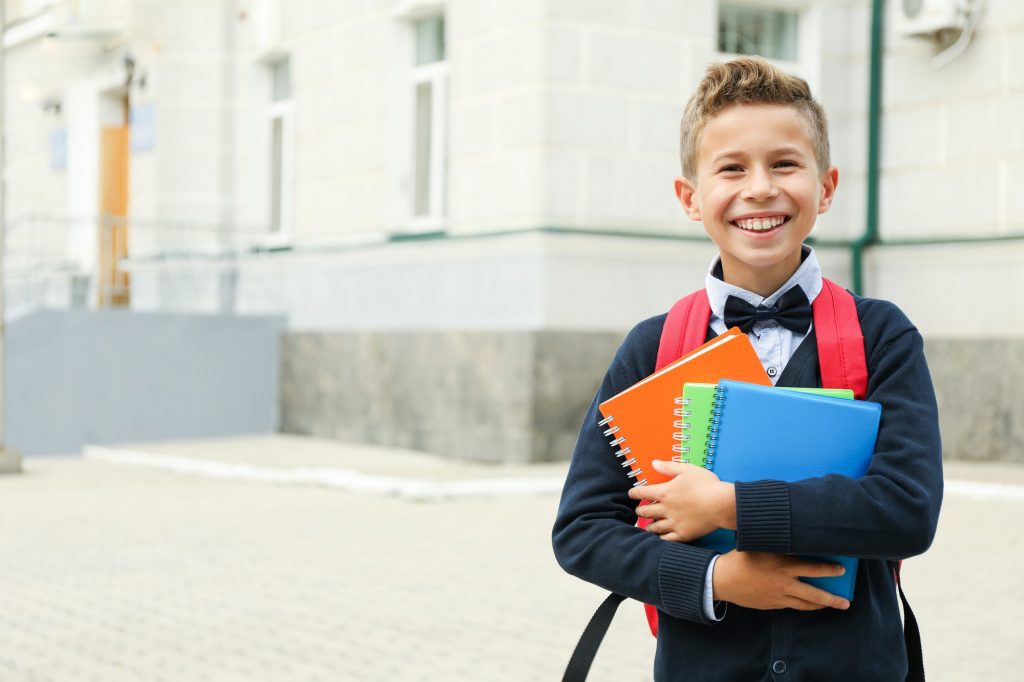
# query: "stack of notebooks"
(727, 417)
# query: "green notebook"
(694, 418)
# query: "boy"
(756, 172)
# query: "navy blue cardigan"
(890, 513)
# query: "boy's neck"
(763, 282)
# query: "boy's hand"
(771, 581)
(690, 506)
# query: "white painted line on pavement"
(418, 489)
(339, 479)
(986, 491)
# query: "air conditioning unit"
(268, 34)
(925, 18)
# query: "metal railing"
(61, 261)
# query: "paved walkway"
(219, 563)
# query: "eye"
(787, 163)
(731, 168)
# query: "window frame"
(280, 225)
(807, 64)
(401, 123)
(436, 75)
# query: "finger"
(654, 510)
(815, 595)
(816, 569)
(669, 467)
(645, 492)
(673, 536)
(659, 527)
(801, 605)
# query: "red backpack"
(843, 365)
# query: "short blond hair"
(748, 80)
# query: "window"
(281, 146)
(770, 33)
(429, 97)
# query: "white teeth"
(761, 224)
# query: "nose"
(760, 185)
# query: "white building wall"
(842, 87)
(340, 81)
(565, 114)
(182, 49)
(952, 143)
(954, 291)
(31, 118)
(562, 114)
(45, 225)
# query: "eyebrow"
(783, 151)
(732, 153)
(740, 154)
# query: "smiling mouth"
(765, 224)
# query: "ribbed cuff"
(762, 517)
(681, 577)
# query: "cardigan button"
(779, 667)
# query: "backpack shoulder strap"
(686, 327)
(840, 341)
(837, 329)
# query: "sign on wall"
(59, 149)
(143, 127)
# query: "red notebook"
(640, 421)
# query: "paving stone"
(114, 572)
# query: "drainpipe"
(870, 234)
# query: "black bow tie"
(792, 311)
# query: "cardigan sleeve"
(891, 512)
(595, 537)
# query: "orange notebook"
(641, 422)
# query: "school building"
(460, 206)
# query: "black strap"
(911, 634)
(590, 640)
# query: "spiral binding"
(716, 425)
(623, 451)
(680, 426)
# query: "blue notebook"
(764, 433)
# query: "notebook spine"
(717, 407)
(682, 433)
(619, 441)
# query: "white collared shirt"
(774, 343)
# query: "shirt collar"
(807, 277)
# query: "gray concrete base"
(520, 396)
(491, 396)
(10, 461)
(77, 377)
(977, 384)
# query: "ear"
(828, 189)
(686, 193)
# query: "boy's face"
(758, 191)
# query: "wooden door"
(113, 282)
